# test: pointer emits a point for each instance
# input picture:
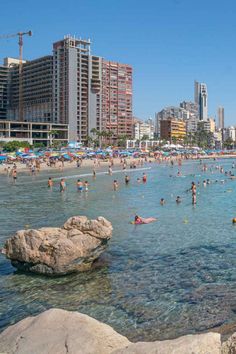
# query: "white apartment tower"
(201, 99)
(77, 87)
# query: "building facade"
(173, 130)
(208, 125)
(143, 129)
(221, 117)
(171, 112)
(117, 115)
(229, 133)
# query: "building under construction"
(3, 91)
(71, 87)
(37, 93)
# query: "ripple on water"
(156, 281)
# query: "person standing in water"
(194, 193)
(14, 176)
(115, 185)
(62, 185)
(50, 182)
(79, 185)
(94, 173)
(86, 184)
(144, 178)
(127, 179)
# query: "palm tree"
(53, 134)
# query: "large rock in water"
(60, 332)
(58, 251)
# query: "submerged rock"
(58, 251)
(58, 331)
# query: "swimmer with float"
(138, 220)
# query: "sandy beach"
(100, 163)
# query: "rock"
(58, 251)
(229, 347)
(58, 332)
(207, 343)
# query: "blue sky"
(169, 43)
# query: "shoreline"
(89, 163)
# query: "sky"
(169, 43)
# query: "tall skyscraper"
(201, 99)
(196, 92)
(221, 117)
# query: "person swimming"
(162, 201)
(144, 178)
(138, 219)
(178, 200)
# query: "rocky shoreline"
(57, 331)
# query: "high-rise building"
(3, 91)
(201, 99)
(221, 117)
(70, 87)
(37, 79)
(117, 116)
(77, 87)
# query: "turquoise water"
(156, 281)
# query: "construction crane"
(20, 42)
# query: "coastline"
(89, 163)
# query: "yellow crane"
(20, 42)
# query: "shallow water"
(156, 281)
